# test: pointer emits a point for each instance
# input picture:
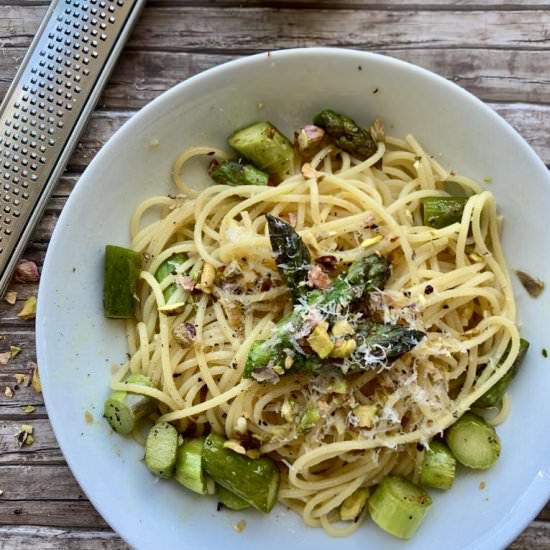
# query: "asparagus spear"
(346, 134)
(122, 267)
(189, 470)
(473, 442)
(170, 266)
(492, 397)
(383, 342)
(233, 172)
(440, 212)
(123, 409)
(364, 275)
(161, 449)
(438, 467)
(254, 480)
(398, 506)
(291, 254)
(263, 145)
(231, 500)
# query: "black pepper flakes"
(544, 353)
(428, 289)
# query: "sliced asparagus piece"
(123, 409)
(161, 449)
(231, 500)
(364, 275)
(473, 442)
(122, 267)
(440, 212)
(493, 396)
(254, 480)
(291, 254)
(189, 470)
(398, 506)
(234, 172)
(263, 145)
(172, 293)
(346, 134)
(438, 467)
(352, 507)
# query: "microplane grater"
(48, 105)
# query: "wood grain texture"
(499, 51)
(235, 29)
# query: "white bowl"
(76, 345)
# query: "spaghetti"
(451, 283)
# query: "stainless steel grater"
(47, 106)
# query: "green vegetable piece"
(161, 448)
(172, 293)
(493, 396)
(189, 470)
(346, 134)
(398, 506)
(309, 418)
(254, 480)
(123, 409)
(364, 275)
(352, 507)
(291, 254)
(386, 341)
(122, 268)
(233, 172)
(231, 500)
(440, 212)
(438, 467)
(265, 147)
(473, 442)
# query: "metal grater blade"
(47, 106)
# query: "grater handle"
(48, 105)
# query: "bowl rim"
(538, 495)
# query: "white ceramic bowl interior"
(77, 346)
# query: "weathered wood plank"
(535, 537)
(357, 4)
(54, 513)
(45, 538)
(234, 29)
(39, 482)
(44, 450)
(492, 75)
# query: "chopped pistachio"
(367, 243)
(36, 385)
(25, 437)
(235, 446)
(11, 297)
(289, 361)
(28, 311)
(532, 285)
(320, 341)
(5, 357)
(309, 418)
(287, 410)
(365, 415)
(342, 328)
(352, 507)
(343, 348)
(15, 351)
(22, 379)
(28, 409)
(253, 453)
(8, 392)
(487, 179)
(88, 417)
(340, 386)
(172, 309)
(240, 526)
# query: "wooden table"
(500, 52)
